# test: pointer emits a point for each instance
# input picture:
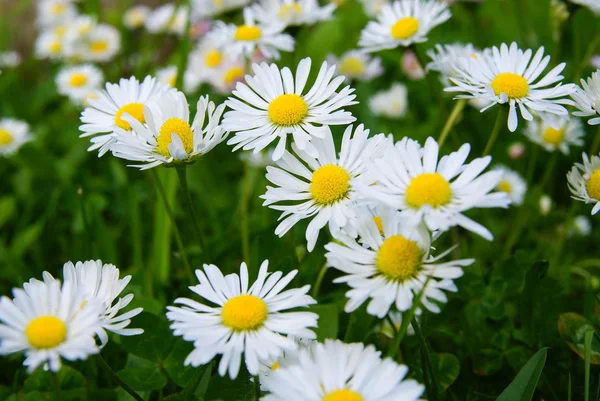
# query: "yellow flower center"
(505, 186)
(178, 127)
(55, 47)
(379, 224)
(352, 66)
(287, 10)
(553, 136)
(78, 79)
(287, 110)
(275, 366)
(135, 110)
(213, 58)
(46, 332)
(60, 30)
(592, 185)
(247, 33)
(405, 28)
(343, 395)
(98, 46)
(172, 80)
(514, 85)
(233, 75)
(57, 9)
(428, 189)
(329, 184)
(398, 258)
(5, 137)
(244, 312)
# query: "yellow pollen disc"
(55, 47)
(219, 3)
(287, 110)
(213, 58)
(287, 10)
(352, 66)
(474, 55)
(244, 312)
(428, 189)
(78, 79)
(5, 137)
(172, 80)
(592, 185)
(46, 332)
(98, 46)
(405, 28)
(379, 224)
(180, 128)
(60, 30)
(233, 75)
(343, 395)
(329, 184)
(505, 186)
(135, 110)
(398, 258)
(247, 33)
(57, 9)
(514, 85)
(275, 366)
(553, 136)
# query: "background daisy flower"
(444, 57)
(135, 17)
(202, 9)
(512, 183)
(293, 12)
(358, 65)
(391, 103)
(568, 133)
(78, 82)
(584, 181)
(587, 100)
(13, 134)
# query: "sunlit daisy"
(13, 134)
(166, 136)
(167, 18)
(209, 8)
(444, 58)
(231, 71)
(135, 17)
(79, 81)
(10, 59)
(391, 103)
(54, 12)
(412, 180)
(271, 105)
(403, 23)
(593, 5)
(355, 64)
(49, 45)
(372, 8)
(48, 323)
(587, 100)
(320, 188)
(512, 183)
(234, 318)
(205, 61)
(335, 371)
(509, 75)
(584, 181)
(293, 12)
(568, 132)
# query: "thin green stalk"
(182, 175)
(351, 323)
(496, 130)
(569, 389)
(531, 165)
(244, 224)
(86, 224)
(391, 322)
(319, 281)
(432, 394)
(596, 143)
(458, 107)
(589, 335)
(257, 387)
(55, 385)
(184, 48)
(549, 169)
(117, 379)
(433, 85)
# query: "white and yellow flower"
(79, 81)
(135, 17)
(358, 65)
(293, 12)
(55, 12)
(587, 99)
(13, 134)
(49, 45)
(568, 133)
(204, 9)
(205, 61)
(584, 181)
(231, 71)
(10, 59)
(167, 18)
(512, 183)
(444, 59)
(391, 103)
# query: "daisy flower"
(167, 136)
(78, 82)
(293, 12)
(49, 45)
(584, 181)
(167, 75)
(372, 8)
(395, 316)
(167, 18)
(403, 23)
(53, 12)
(355, 64)
(412, 180)
(205, 61)
(100, 283)
(334, 371)
(444, 58)
(266, 367)
(391, 103)
(509, 75)
(253, 321)
(13, 134)
(202, 9)
(569, 132)
(102, 43)
(10, 59)
(593, 5)
(48, 323)
(135, 17)
(105, 113)
(243, 40)
(225, 79)
(587, 100)
(320, 188)
(271, 105)
(512, 183)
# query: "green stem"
(86, 224)
(244, 224)
(531, 165)
(351, 323)
(182, 174)
(549, 169)
(188, 268)
(589, 335)
(587, 57)
(432, 392)
(495, 131)
(433, 85)
(458, 107)
(257, 386)
(596, 143)
(319, 281)
(391, 322)
(184, 47)
(55, 385)
(117, 379)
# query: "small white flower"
(516, 150)
(167, 18)
(444, 58)
(545, 204)
(98, 43)
(358, 65)
(78, 82)
(584, 181)
(582, 226)
(512, 183)
(411, 67)
(49, 45)
(10, 59)
(372, 8)
(568, 132)
(202, 9)
(13, 134)
(293, 12)
(587, 100)
(135, 17)
(258, 160)
(231, 71)
(395, 316)
(204, 62)
(54, 12)
(167, 75)
(391, 103)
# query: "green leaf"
(71, 382)
(524, 384)
(572, 328)
(225, 389)
(328, 321)
(156, 341)
(143, 379)
(7, 208)
(26, 238)
(174, 366)
(487, 362)
(447, 368)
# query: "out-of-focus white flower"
(582, 226)
(135, 17)
(10, 59)
(258, 160)
(516, 150)
(53, 12)
(13, 134)
(373, 7)
(411, 67)
(231, 71)
(593, 5)
(78, 82)
(293, 12)
(391, 103)
(49, 45)
(167, 18)
(444, 58)
(545, 204)
(355, 64)
(565, 133)
(512, 183)
(92, 42)
(210, 8)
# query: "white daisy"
(245, 39)
(167, 75)
(10, 59)
(202, 9)
(253, 321)
(545, 204)
(568, 132)
(412, 180)
(584, 181)
(100, 283)
(320, 188)
(395, 316)
(391, 103)
(403, 23)
(135, 17)
(266, 367)
(48, 323)
(167, 136)
(293, 12)
(13, 134)
(54, 12)
(231, 71)
(78, 82)
(581, 225)
(372, 8)
(258, 160)
(49, 45)
(355, 64)
(335, 371)
(512, 183)
(105, 113)
(509, 75)
(593, 5)
(587, 100)
(271, 105)
(444, 58)
(89, 41)
(167, 18)
(205, 61)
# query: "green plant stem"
(433, 85)
(589, 336)
(351, 323)
(495, 131)
(117, 379)
(244, 223)
(176, 233)
(432, 393)
(391, 322)
(587, 57)
(319, 281)
(451, 121)
(55, 385)
(184, 48)
(257, 386)
(531, 164)
(86, 224)
(182, 175)
(596, 143)
(548, 170)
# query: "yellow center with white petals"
(172, 80)
(213, 58)
(288, 10)
(5, 137)
(343, 395)
(55, 47)
(428, 189)
(244, 312)
(46, 332)
(275, 366)
(378, 224)
(398, 258)
(233, 75)
(78, 80)
(405, 28)
(98, 46)
(352, 66)
(329, 184)
(514, 85)
(592, 185)
(505, 186)
(60, 30)
(553, 136)
(178, 127)
(247, 33)
(135, 110)
(287, 110)
(57, 9)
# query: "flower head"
(584, 181)
(13, 134)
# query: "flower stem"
(432, 84)
(55, 385)
(432, 392)
(531, 165)
(244, 224)
(182, 174)
(458, 106)
(319, 281)
(117, 379)
(495, 131)
(184, 47)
